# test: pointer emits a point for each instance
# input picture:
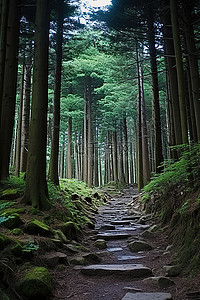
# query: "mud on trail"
(121, 272)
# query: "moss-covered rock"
(16, 248)
(70, 229)
(9, 194)
(79, 260)
(100, 244)
(3, 296)
(36, 284)
(14, 220)
(37, 227)
(59, 235)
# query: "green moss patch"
(36, 284)
(37, 227)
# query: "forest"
(94, 98)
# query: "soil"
(69, 283)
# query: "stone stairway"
(122, 236)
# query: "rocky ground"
(130, 258)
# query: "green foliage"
(29, 247)
(182, 172)
(13, 183)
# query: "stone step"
(113, 236)
(120, 222)
(129, 257)
(133, 270)
(147, 296)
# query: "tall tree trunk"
(145, 150)
(53, 168)
(19, 125)
(158, 157)
(179, 67)
(3, 43)
(25, 118)
(90, 146)
(114, 147)
(171, 68)
(193, 62)
(36, 191)
(9, 89)
(85, 152)
(126, 152)
(121, 159)
(69, 149)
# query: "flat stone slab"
(128, 257)
(133, 270)
(147, 296)
(114, 249)
(113, 236)
(121, 222)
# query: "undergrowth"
(184, 172)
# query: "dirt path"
(112, 223)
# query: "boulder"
(70, 230)
(36, 227)
(35, 284)
(136, 246)
(172, 270)
(13, 221)
(100, 244)
(162, 282)
(52, 259)
(59, 235)
(79, 260)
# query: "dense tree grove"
(99, 99)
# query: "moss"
(16, 249)
(10, 194)
(37, 227)
(35, 211)
(10, 211)
(70, 229)
(17, 231)
(14, 220)
(36, 284)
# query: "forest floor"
(71, 283)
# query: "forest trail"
(121, 272)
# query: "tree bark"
(53, 168)
(126, 152)
(171, 69)
(36, 191)
(9, 89)
(89, 141)
(179, 67)
(69, 149)
(193, 62)
(114, 147)
(3, 43)
(158, 156)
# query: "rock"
(100, 244)
(122, 222)
(52, 259)
(133, 270)
(91, 258)
(147, 234)
(172, 270)
(13, 221)
(70, 229)
(10, 194)
(136, 246)
(59, 235)
(113, 236)
(79, 260)
(162, 282)
(107, 227)
(36, 227)
(36, 284)
(147, 296)
(71, 248)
